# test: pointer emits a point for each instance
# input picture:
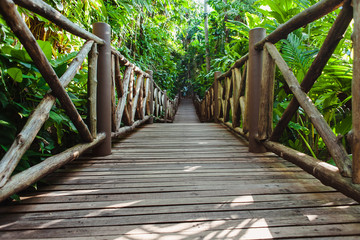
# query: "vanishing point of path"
(185, 180)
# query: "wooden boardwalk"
(186, 180)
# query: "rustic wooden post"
(92, 89)
(356, 94)
(151, 96)
(266, 97)
(254, 80)
(235, 102)
(103, 31)
(165, 106)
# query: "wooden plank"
(184, 180)
(196, 230)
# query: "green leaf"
(16, 74)
(55, 117)
(5, 123)
(344, 126)
(46, 48)
(63, 59)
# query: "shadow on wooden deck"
(186, 180)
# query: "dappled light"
(191, 168)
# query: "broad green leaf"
(55, 117)
(16, 74)
(46, 48)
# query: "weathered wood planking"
(184, 180)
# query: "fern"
(296, 55)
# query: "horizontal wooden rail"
(124, 130)
(328, 174)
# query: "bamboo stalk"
(266, 97)
(37, 119)
(20, 29)
(92, 81)
(336, 33)
(309, 15)
(326, 173)
(46, 11)
(31, 175)
(356, 95)
(336, 149)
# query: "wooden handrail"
(230, 88)
(135, 101)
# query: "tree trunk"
(206, 37)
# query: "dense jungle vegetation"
(168, 37)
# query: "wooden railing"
(118, 101)
(247, 91)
